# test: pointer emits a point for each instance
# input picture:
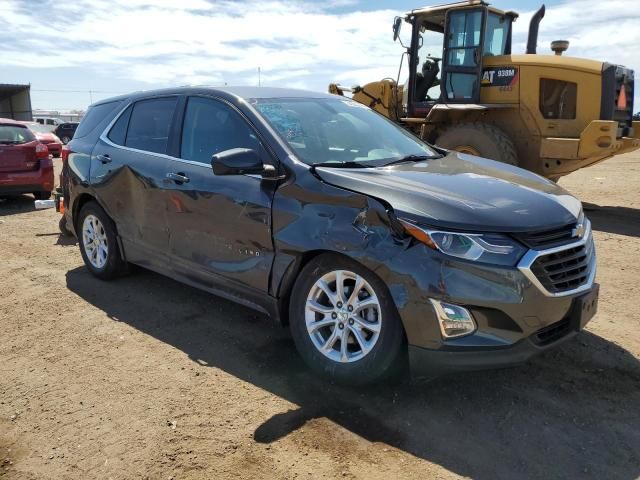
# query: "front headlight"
(494, 248)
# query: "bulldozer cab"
(460, 34)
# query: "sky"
(76, 52)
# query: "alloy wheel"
(343, 316)
(94, 240)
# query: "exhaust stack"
(532, 41)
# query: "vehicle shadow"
(571, 412)
(618, 220)
(13, 205)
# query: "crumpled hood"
(463, 192)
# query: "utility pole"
(90, 97)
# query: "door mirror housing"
(237, 161)
(397, 23)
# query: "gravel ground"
(147, 378)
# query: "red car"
(25, 165)
(53, 143)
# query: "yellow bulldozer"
(551, 114)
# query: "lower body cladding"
(462, 315)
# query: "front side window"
(211, 127)
(150, 124)
(338, 131)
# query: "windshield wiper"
(349, 164)
(411, 158)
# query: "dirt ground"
(147, 378)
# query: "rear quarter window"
(93, 117)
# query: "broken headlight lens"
(494, 248)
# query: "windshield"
(14, 135)
(340, 131)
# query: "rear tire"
(42, 195)
(480, 139)
(365, 320)
(98, 242)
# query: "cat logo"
(499, 76)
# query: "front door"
(219, 226)
(462, 62)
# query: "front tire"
(481, 139)
(98, 242)
(344, 323)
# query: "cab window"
(496, 35)
(211, 127)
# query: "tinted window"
(93, 117)
(211, 127)
(118, 132)
(150, 123)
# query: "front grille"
(542, 240)
(553, 332)
(565, 270)
(614, 79)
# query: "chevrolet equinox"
(371, 245)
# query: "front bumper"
(597, 142)
(427, 362)
(515, 315)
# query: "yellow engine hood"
(554, 61)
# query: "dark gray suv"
(372, 246)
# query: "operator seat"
(427, 78)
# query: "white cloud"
(191, 41)
(303, 43)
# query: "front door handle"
(104, 158)
(179, 178)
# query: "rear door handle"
(179, 178)
(104, 158)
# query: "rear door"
(462, 62)
(17, 149)
(219, 226)
(129, 165)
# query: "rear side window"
(14, 135)
(212, 127)
(93, 117)
(118, 132)
(150, 124)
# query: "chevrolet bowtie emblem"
(578, 231)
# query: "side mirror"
(397, 23)
(237, 161)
